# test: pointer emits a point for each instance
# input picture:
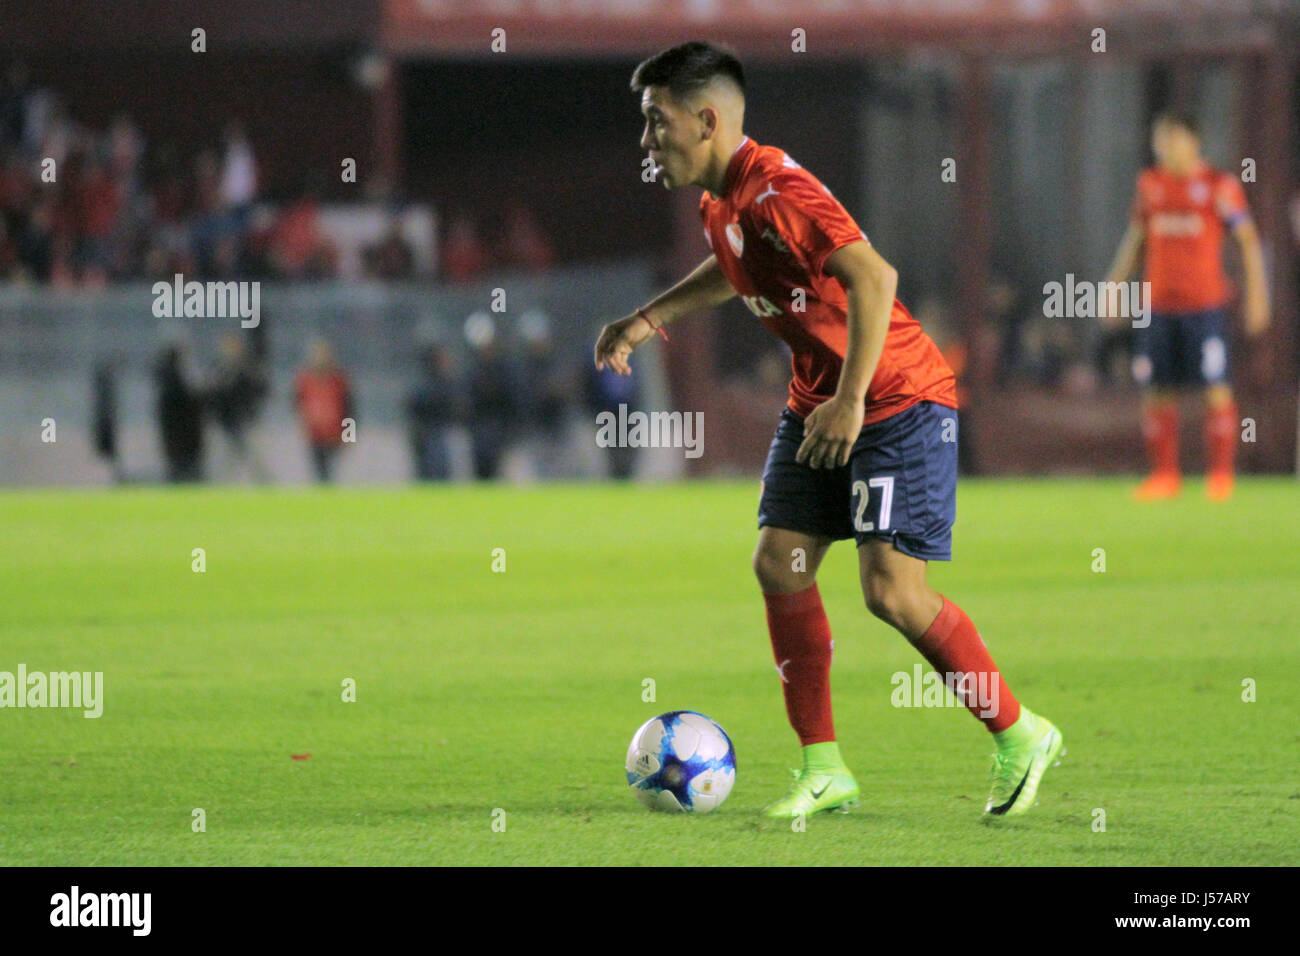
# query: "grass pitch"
(481, 691)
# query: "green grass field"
(518, 691)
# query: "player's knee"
(885, 599)
(776, 574)
(1218, 396)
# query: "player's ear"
(708, 122)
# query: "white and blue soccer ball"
(682, 762)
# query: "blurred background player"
(494, 397)
(179, 405)
(238, 388)
(323, 397)
(104, 415)
(866, 447)
(606, 390)
(1181, 210)
(547, 385)
(434, 407)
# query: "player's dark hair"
(686, 69)
(1182, 118)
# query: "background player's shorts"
(900, 483)
(1188, 349)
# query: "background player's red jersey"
(772, 229)
(1185, 218)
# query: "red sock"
(801, 646)
(953, 646)
(1221, 438)
(1160, 429)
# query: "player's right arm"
(1129, 253)
(704, 288)
(1127, 259)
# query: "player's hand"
(620, 339)
(1257, 316)
(1112, 322)
(1108, 321)
(829, 432)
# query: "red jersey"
(772, 229)
(1185, 218)
(322, 398)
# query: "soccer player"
(1181, 210)
(866, 447)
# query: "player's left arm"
(1231, 205)
(870, 284)
(1252, 262)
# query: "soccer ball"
(682, 762)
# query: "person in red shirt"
(866, 447)
(323, 397)
(1182, 209)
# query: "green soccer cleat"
(1025, 750)
(815, 791)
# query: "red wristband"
(657, 328)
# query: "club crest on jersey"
(1198, 192)
(736, 238)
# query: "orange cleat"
(1161, 485)
(1218, 485)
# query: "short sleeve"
(1230, 201)
(809, 220)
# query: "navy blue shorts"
(900, 484)
(1188, 349)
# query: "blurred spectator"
(98, 205)
(463, 255)
(435, 405)
(11, 266)
(168, 241)
(180, 416)
(13, 103)
(125, 153)
(236, 394)
(547, 387)
(391, 257)
(323, 397)
(493, 396)
(124, 207)
(238, 175)
(1007, 312)
(210, 224)
(104, 415)
(1046, 346)
(299, 247)
(606, 390)
(523, 244)
(36, 242)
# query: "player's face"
(671, 138)
(1174, 147)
